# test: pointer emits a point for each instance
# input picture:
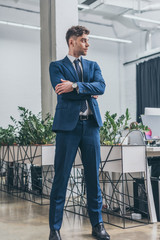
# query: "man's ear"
(71, 42)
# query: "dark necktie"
(79, 72)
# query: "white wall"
(19, 71)
(20, 77)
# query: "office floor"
(23, 220)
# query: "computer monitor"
(153, 122)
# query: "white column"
(56, 17)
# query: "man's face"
(80, 45)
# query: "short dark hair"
(76, 31)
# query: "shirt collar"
(72, 58)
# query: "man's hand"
(95, 96)
(64, 87)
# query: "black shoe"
(54, 235)
(99, 232)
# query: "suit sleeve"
(96, 87)
(56, 75)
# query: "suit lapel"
(85, 70)
(70, 67)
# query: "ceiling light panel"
(19, 25)
(119, 40)
(83, 6)
(134, 17)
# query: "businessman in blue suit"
(77, 83)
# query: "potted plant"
(111, 132)
(31, 129)
(7, 135)
(115, 131)
(114, 128)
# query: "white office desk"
(153, 151)
(126, 159)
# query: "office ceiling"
(111, 12)
(108, 13)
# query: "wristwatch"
(74, 85)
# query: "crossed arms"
(85, 89)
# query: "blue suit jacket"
(68, 104)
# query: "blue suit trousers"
(86, 137)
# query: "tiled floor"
(23, 220)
